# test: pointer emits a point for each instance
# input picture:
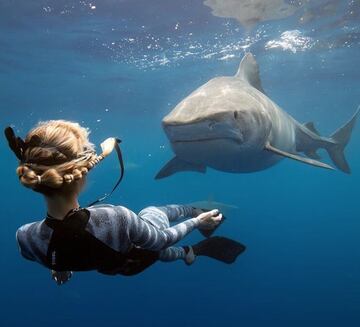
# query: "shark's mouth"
(203, 132)
(208, 139)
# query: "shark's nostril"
(236, 114)
(211, 125)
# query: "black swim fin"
(219, 248)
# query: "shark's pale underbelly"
(225, 155)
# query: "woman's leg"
(172, 253)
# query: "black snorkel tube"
(122, 169)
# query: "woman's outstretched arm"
(147, 236)
(121, 228)
(177, 211)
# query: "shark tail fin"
(341, 138)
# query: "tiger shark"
(230, 124)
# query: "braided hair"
(58, 153)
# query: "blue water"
(118, 67)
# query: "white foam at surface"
(291, 41)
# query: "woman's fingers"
(217, 219)
(209, 214)
(210, 219)
(214, 212)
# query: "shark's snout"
(207, 130)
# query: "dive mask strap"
(122, 169)
(18, 145)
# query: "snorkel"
(107, 147)
(19, 146)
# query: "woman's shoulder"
(37, 229)
(28, 228)
(33, 238)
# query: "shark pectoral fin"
(176, 165)
(308, 161)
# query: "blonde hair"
(61, 156)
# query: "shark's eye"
(235, 114)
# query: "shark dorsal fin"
(249, 71)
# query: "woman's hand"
(210, 219)
(61, 277)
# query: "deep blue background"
(300, 223)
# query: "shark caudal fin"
(341, 137)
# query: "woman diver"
(54, 160)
